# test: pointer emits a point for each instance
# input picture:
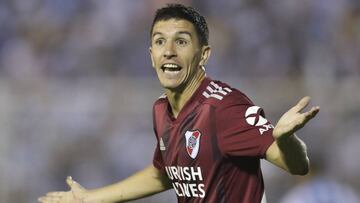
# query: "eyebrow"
(156, 33)
(186, 33)
(180, 32)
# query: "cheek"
(195, 60)
(155, 60)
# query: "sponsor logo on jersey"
(162, 146)
(187, 181)
(253, 117)
(216, 91)
(192, 142)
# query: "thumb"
(302, 104)
(74, 186)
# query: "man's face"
(175, 53)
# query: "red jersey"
(211, 152)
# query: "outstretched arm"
(144, 183)
(288, 151)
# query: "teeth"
(171, 71)
(170, 65)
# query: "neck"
(178, 99)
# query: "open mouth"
(171, 67)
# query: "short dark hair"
(179, 11)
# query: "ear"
(205, 55)
(152, 57)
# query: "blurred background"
(77, 88)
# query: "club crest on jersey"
(192, 142)
(254, 117)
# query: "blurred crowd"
(77, 87)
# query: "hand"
(76, 194)
(294, 120)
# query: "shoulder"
(160, 100)
(221, 95)
(160, 103)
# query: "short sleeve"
(243, 130)
(158, 160)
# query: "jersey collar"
(196, 99)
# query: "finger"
(302, 104)
(312, 113)
(48, 199)
(70, 182)
(55, 194)
(73, 184)
(52, 196)
(42, 199)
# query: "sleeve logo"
(162, 145)
(192, 142)
(216, 91)
(254, 118)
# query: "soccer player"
(210, 136)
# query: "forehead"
(173, 26)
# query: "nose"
(169, 51)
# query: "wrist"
(102, 195)
(281, 133)
(285, 138)
(93, 196)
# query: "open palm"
(76, 194)
(294, 119)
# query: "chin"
(172, 86)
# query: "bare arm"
(144, 183)
(290, 155)
(288, 151)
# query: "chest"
(191, 141)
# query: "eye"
(181, 42)
(159, 42)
